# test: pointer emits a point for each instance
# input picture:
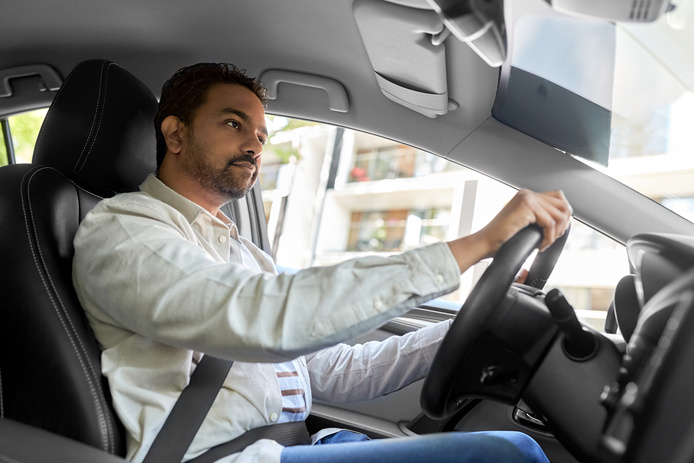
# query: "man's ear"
(171, 128)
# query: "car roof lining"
(163, 43)
(152, 39)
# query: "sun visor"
(557, 87)
(407, 53)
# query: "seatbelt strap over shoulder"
(190, 410)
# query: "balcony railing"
(396, 162)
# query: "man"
(164, 277)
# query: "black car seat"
(97, 140)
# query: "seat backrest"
(97, 140)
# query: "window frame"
(7, 141)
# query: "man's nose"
(253, 147)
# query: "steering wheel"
(480, 310)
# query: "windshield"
(619, 96)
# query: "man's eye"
(262, 141)
(233, 124)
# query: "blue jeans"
(488, 447)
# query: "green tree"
(3, 151)
(276, 124)
(24, 129)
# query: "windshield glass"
(619, 96)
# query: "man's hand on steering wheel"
(550, 210)
(454, 374)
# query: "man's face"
(225, 140)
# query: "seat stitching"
(97, 111)
(84, 190)
(64, 316)
(41, 266)
(79, 166)
(91, 128)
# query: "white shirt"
(162, 280)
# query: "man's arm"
(366, 371)
(140, 271)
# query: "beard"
(221, 182)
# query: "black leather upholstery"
(25, 444)
(101, 125)
(97, 139)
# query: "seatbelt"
(190, 410)
(192, 407)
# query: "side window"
(588, 271)
(3, 150)
(332, 194)
(19, 134)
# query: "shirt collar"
(190, 210)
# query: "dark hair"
(186, 90)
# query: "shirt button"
(378, 305)
(273, 417)
(222, 239)
(438, 279)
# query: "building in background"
(332, 194)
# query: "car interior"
(475, 82)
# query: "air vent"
(614, 10)
(640, 10)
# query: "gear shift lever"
(579, 344)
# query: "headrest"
(101, 125)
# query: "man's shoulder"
(128, 210)
(133, 203)
(129, 217)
